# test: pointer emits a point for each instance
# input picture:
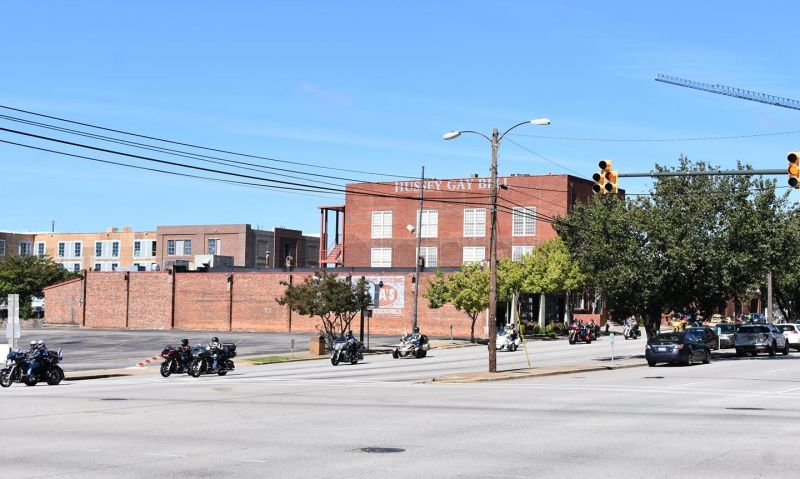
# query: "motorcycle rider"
(216, 349)
(351, 343)
(185, 352)
(39, 353)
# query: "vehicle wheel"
(652, 364)
(196, 369)
(739, 353)
(53, 377)
(424, 353)
(222, 372)
(589, 341)
(5, 378)
(786, 348)
(395, 354)
(773, 349)
(354, 361)
(31, 381)
(335, 359)
(571, 340)
(707, 359)
(690, 359)
(166, 370)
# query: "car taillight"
(679, 346)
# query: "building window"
(76, 267)
(517, 252)
(430, 255)
(381, 258)
(381, 224)
(106, 249)
(430, 223)
(524, 221)
(77, 249)
(40, 249)
(214, 246)
(69, 249)
(2, 247)
(25, 248)
(179, 247)
(62, 247)
(106, 266)
(474, 222)
(144, 248)
(473, 254)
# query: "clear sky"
(371, 86)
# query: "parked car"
(792, 334)
(727, 335)
(755, 338)
(758, 318)
(706, 334)
(676, 347)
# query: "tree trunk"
(472, 329)
(653, 325)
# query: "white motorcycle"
(508, 339)
(346, 351)
(414, 345)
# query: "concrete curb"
(524, 373)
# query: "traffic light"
(612, 178)
(599, 182)
(794, 169)
(605, 181)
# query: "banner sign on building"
(392, 295)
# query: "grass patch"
(276, 358)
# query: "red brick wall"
(151, 300)
(106, 303)
(63, 302)
(202, 301)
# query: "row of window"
(522, 220)
(108, 266)
(382, 257)
(110, 248)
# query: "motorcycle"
(415, 345)
(343, 351)
(594, 331)
(631, 332)
(203, 360)
(508, 339)
(17, 365)
(579, 333)
(174, 362)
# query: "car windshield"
(668, 338)
(786, 327)
(726, 328)
(697, 331)
(753, 329)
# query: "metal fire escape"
(331, 252)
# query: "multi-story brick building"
(379, 219)
(12, 244)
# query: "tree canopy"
(27, 276)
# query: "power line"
(653, 140)
(542, 156)
(207, 148)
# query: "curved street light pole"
(495, 141)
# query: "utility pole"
(493, 259)
(417, 255)
(769, 296)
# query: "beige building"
(108, 251)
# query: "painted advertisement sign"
(392, 295)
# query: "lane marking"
(775, 371)
(789, 390)
(160, 454)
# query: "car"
(755, 338)
(792, 334)
(758, 318)
(706, 334)
(727, 334)
(676, 347)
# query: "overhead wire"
(652, 140)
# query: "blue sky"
(372, 86)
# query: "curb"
(525, 374)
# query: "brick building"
(12, 244)
(375, 228)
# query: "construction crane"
(732, 91)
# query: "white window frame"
(469, 254)
(217, 245)
(523, 220)
(25, 248)
(105, 266)
(179, 247)
(430, 223)
(381, 257)
(474, 222)
(517, 252)
(145, 248)
(77, 249)
(40, 245)
(381, 224)
(430, 254)
(106, 249)
(2, 247)
(75, 267)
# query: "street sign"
(12, 325)
(374, 291)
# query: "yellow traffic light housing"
(794, 169)
(605, 181)
(599, 182)
(612, 178)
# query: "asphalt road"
(732, 418)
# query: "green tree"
(467, 290)
(786, 264)
(334, 300)
(27, 276)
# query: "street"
(309, 419)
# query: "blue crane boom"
(732, 91)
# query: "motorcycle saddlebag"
(229, 349)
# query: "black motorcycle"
(17, 367)
(203, 360)
(344, 350)
(174, 362)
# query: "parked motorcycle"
(631, 332)
(203, 360)
(508, 339)
(174, 362)
(414, 345)
(579, 332)
(343, 350)
(17, 366)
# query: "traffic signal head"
(611, 178)
(599, 182)
(794, 169)
(605, 165)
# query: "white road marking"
(789, 390)
(160, 454)
(775, 371)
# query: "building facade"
(380, 219)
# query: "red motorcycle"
(173, 362)
(579, 332)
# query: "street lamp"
(495, 141)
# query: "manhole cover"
(381, 450)
(745, 408)
(113, 399)
(653, 377)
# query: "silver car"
(755, 338)
(727, 335)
